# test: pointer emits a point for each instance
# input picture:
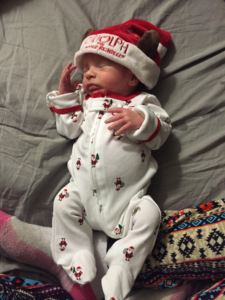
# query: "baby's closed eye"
(85, 69)
(102, 65)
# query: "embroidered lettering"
(104, 39)
(125, 48)
(107, 40)
(92, 46)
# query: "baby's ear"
(149, 42)
(133, 80)
(90, 30)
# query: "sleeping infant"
(115, 126)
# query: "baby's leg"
(72, 241)
(126, 257)
(30, 244)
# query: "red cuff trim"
(63, 111)
(155, 133)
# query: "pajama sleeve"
(156, 126)
(68, 112)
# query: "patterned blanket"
(190, 246)
(26, 289)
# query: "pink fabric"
(25, 253)
(84, 292)
(3, 217)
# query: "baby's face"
(102, 74)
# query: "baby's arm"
(67, 105)
(156, 127)
(148, 122)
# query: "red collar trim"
(112, 95)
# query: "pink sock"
(30, 244)
(3, 217)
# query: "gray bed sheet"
(38, 38)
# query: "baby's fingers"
(123, 129)
(113, 119)
(115, 110)
(73, 68)
(69, 68)
(117, 124)
(67, 72)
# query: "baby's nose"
(90, 73)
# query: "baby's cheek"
(84, 85)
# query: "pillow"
(190, 246)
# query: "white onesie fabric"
(109, 179)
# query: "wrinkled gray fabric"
(38, 38)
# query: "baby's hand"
(125, 119)
(65, 86)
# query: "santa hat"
(135, 44)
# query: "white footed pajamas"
(109, 179)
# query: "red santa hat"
(135, 44)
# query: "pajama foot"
(83, 268)
(117, 283)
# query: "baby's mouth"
(93, 87)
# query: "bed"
(38, 38)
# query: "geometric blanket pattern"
(214, 292)
(12, 287)
(190, 245)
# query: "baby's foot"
(83, 268)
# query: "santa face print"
(77, 272)
(74, 117)
(94, 160)
(119, 183)
(78, 163)
(118, 229)
(107, 103)
(128, 253)
(101, 114)
(63, 244)
(81, 221)
(63, 194)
